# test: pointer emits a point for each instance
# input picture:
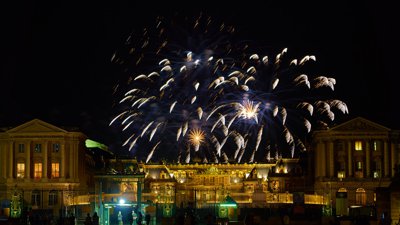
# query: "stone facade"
(46, 165)
(348, 166)
(356, 157)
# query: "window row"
(37, 148)
(359, 169)
(360, 145)
(38, 170)
(361, 195)
(37, 197)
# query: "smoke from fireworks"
(201, 95)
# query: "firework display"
(198, 92)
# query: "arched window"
(35, 198)
(53, 197)
(361, 196)
(163, 175)
(342, 190)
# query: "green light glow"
(94, 144)
(228, 205)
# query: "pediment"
(360, 124)
(35, 126)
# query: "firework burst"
(196, 137)
(216, 100)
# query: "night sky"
(56, 66)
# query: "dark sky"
(55, 57)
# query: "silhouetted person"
(71, 219)
(139, 218)
(88, 219)
(147, 218)
(120, 221)
(95, 219)
(130, 219)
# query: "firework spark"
(214, 99)
(196, 137)
(248, 110)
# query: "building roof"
(35, 126)
(359, 123)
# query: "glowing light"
(248, 110)
(122, 201)
(94, 144)
(228, 205)
(196, 136)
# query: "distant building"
(205, 187)
(348, 168)
(44, 170)
(352, 162)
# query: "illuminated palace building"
(43, 167)
(353, 162)
(215, 188)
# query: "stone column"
(3, 160)
(323, 160)
(393, 158)
(367, 159)
(72, 160)
(28, 160)
(350, 158)
(386, 158)
(331, 159)
(317, 161)
(10, 160)
(45, 162)
(76, 159)
(63, 155)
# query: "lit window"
(35, 198)
(53, 198)
(341, 174)
(20, 170)
(56, 147)
(55, 170)
(38, 171)
(359, 165)
(38, 148)
(376, 145)
(358, 145)
(21, 148)
(361, 196)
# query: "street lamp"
(122, 201)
